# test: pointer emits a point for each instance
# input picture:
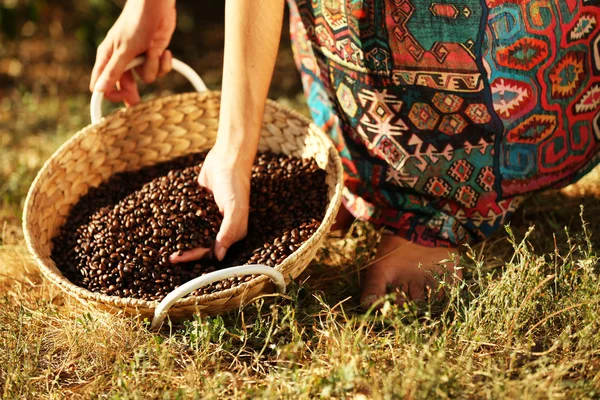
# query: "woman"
(445, 114)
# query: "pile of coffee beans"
(118, 238)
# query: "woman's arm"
(252, 33)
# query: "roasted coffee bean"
(118, 238)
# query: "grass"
(526, 329)
(524, 323)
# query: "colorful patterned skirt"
(447, 114)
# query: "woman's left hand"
(144, 27)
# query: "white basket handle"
(254, 269)
(183, 69)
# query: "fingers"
(127, 91)
(374, 288)
(166, 63)
(157, 65)
(113, 70)
(203, 178)
(416, 292)
(190, 255)
(128, 86)
(102, 56)
(233, 228)
(151, 66)
(109, 70)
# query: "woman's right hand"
(144, 27)
(226, 174)
(251, 40)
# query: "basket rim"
(130, 302)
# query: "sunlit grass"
(528, 328)
(523, 324)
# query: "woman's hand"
(229, 181)
(144, 27)
(228, 178)
(251, 40)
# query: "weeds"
(524, 322)
(527, 329)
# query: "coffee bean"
(118, 238)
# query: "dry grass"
(526, 330)
(524, 324)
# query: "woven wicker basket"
(154, 132)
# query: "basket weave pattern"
(154, 132)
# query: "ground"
(525, 323)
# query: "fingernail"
(101, 85)
(221, 253)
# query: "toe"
(374, 288)
(416, 291)
(401, 289)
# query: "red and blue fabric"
(447, 114)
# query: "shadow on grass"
(527, 327)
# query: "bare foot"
(407, 269)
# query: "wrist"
(237, 139)
(235, 153)
(153, 2)
(150, 5)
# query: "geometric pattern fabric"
(443, 126)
